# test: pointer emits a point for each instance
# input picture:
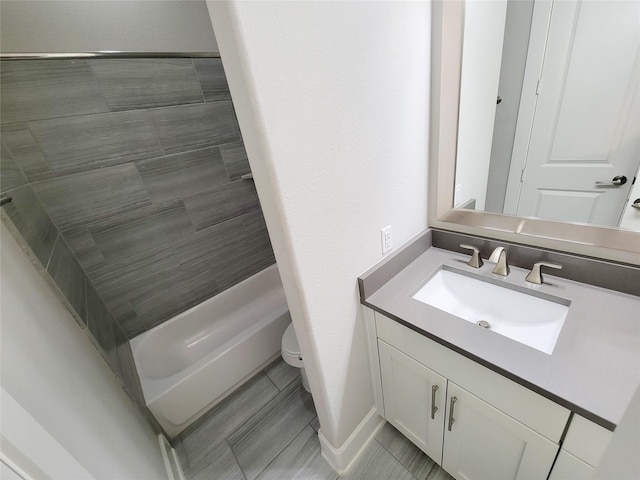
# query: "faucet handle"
(535, 276)
(475, 261)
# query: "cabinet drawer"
(586, 440)
(535, 411)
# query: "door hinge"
(538, 87)
(522, 175)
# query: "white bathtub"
(191, 362)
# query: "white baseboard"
(171, 461)
(344, 458)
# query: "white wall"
(333, 104)
(54, 373)
(55, 26)
(484, 22)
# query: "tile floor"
(267, 430)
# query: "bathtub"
(191, 362)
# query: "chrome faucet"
(499, 257)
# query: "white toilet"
(291, 354)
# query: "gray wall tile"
(76, 200)
(187, 290)
(69, 277)
(33, 223)
(222, 203)
(210, 243)
(101, 325)
(33, 89)
(212, 78)
(189, 127)
(87, 142)
(142, 198)
(235, 159)
(25, 151)
(84, 247)
(136, 231)
(253, 221)
(128, 368)
(10, 174)
(135, 278)
(245, 258)
(182, 174)
(146, 82)
(256, 443)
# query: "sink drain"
(483, 324)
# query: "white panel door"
(586, 126)
(414, 399)
(483, 443)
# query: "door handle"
(636, 203)
(615, 181)
(434, 409)
(451, 405)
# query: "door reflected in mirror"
(549, 120)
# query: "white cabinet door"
(483, 443)
(568, 467)
(414, 399)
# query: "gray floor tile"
(66, 272)
(183, 174)
(199, 439)
(188, 289)
(76, 200)
(222, 203)
(300, 460)
(32, 89)
(211, 243)
(378, 464)
(256, 443)
(439, 474)
(254, 221)
(315, 424)
(410, 456)
(212, 79)
(189, 127)
(84, 247)
(146, 82)
(139, 230)
(87, 142)
(235, 159)
(101, 324)
(10, 174)
(218, 465)
(282, 374)
(33, 223)
(25, 151)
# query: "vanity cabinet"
(474, 422)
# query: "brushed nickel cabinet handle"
(451, 405)
(434, 409)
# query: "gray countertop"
(595, 366)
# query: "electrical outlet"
(387, 241)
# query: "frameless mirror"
(549, 117)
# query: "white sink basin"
(528, 319)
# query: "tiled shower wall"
(125, 179)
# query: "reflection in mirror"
(549, 119)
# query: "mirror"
(549, 117)
(448, 20)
